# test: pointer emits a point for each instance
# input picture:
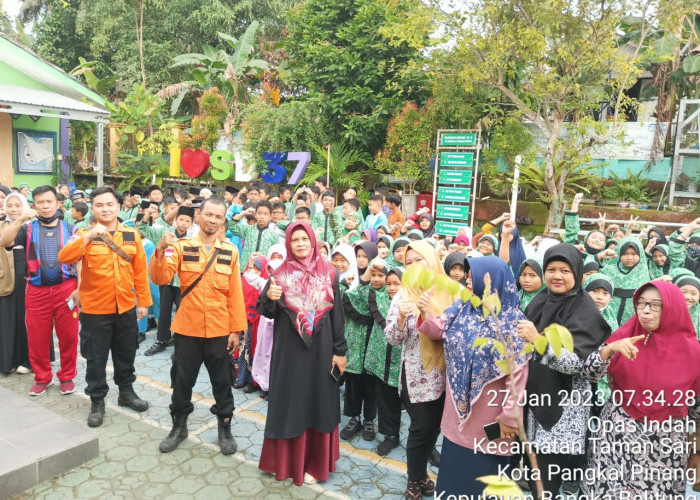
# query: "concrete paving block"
(68, 459)
(213, 492)
(21, 476)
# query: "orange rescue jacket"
(109, 284)
(215, 307)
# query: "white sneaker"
(23, 370)
(309, 479)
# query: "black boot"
(97, 412)
(226, 442)
(177, 434)
(127, 397)
(157, 347)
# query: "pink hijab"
(307, 284)
(667, 366)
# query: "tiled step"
(37, 444)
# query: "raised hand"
(167, 240)
(625, 347)
(275, 291)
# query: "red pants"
(46, 307)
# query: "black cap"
(185, 210)
(136, 191)
(78, 194)
(232, 190)
(155, 188)
(194, 190)
(197, 202)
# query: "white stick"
(514, 189)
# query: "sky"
(11, 7)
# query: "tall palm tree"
(342, 160)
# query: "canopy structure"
(18, 100)
(38, 88)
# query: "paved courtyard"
(130, 466)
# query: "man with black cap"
(193, 192)
(230, 193)
(169, 294)
(155, 194)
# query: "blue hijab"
(517, 252)
(469, 370)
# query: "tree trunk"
(555, 216)
(554, 191)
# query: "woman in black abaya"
(556, 426)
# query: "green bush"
(632, 188)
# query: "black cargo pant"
(190, 353)
(169, 295)
(100, 334)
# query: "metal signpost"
(454, 183)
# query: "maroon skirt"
(312, 452)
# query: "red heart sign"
(194, 162)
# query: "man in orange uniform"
(208, 321)
(114, 278)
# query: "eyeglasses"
(653, 306)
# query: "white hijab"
(22, 199)
(348, 254)
(277, 248)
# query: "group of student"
(402, 349)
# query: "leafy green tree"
(359, 77)
(554, 62)
(507, 139)
(292, 126)
(105, 31)
(665, 35)
(407, 152)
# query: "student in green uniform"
(658, 260)
(690, 286)
(360, 386)
(487, 245)
(383, 360)
(531, 281)
(628, 272)
(600, 288)
(257, 237)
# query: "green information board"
(453, 211)
(456, 139)
(449, 228)
(455, 177)
(456, 159)
(461, 195)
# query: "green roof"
(23, 60)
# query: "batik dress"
(625, 279)
(381, 359)
(358, 326)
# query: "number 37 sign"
(276, 173)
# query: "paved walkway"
(130, 466)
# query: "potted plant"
(407, 154)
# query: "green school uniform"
(525, 297)
(358, 326)
(655, 271)
(381, 359)
(254, 239)
(626, 280)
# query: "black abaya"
(303, 394)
